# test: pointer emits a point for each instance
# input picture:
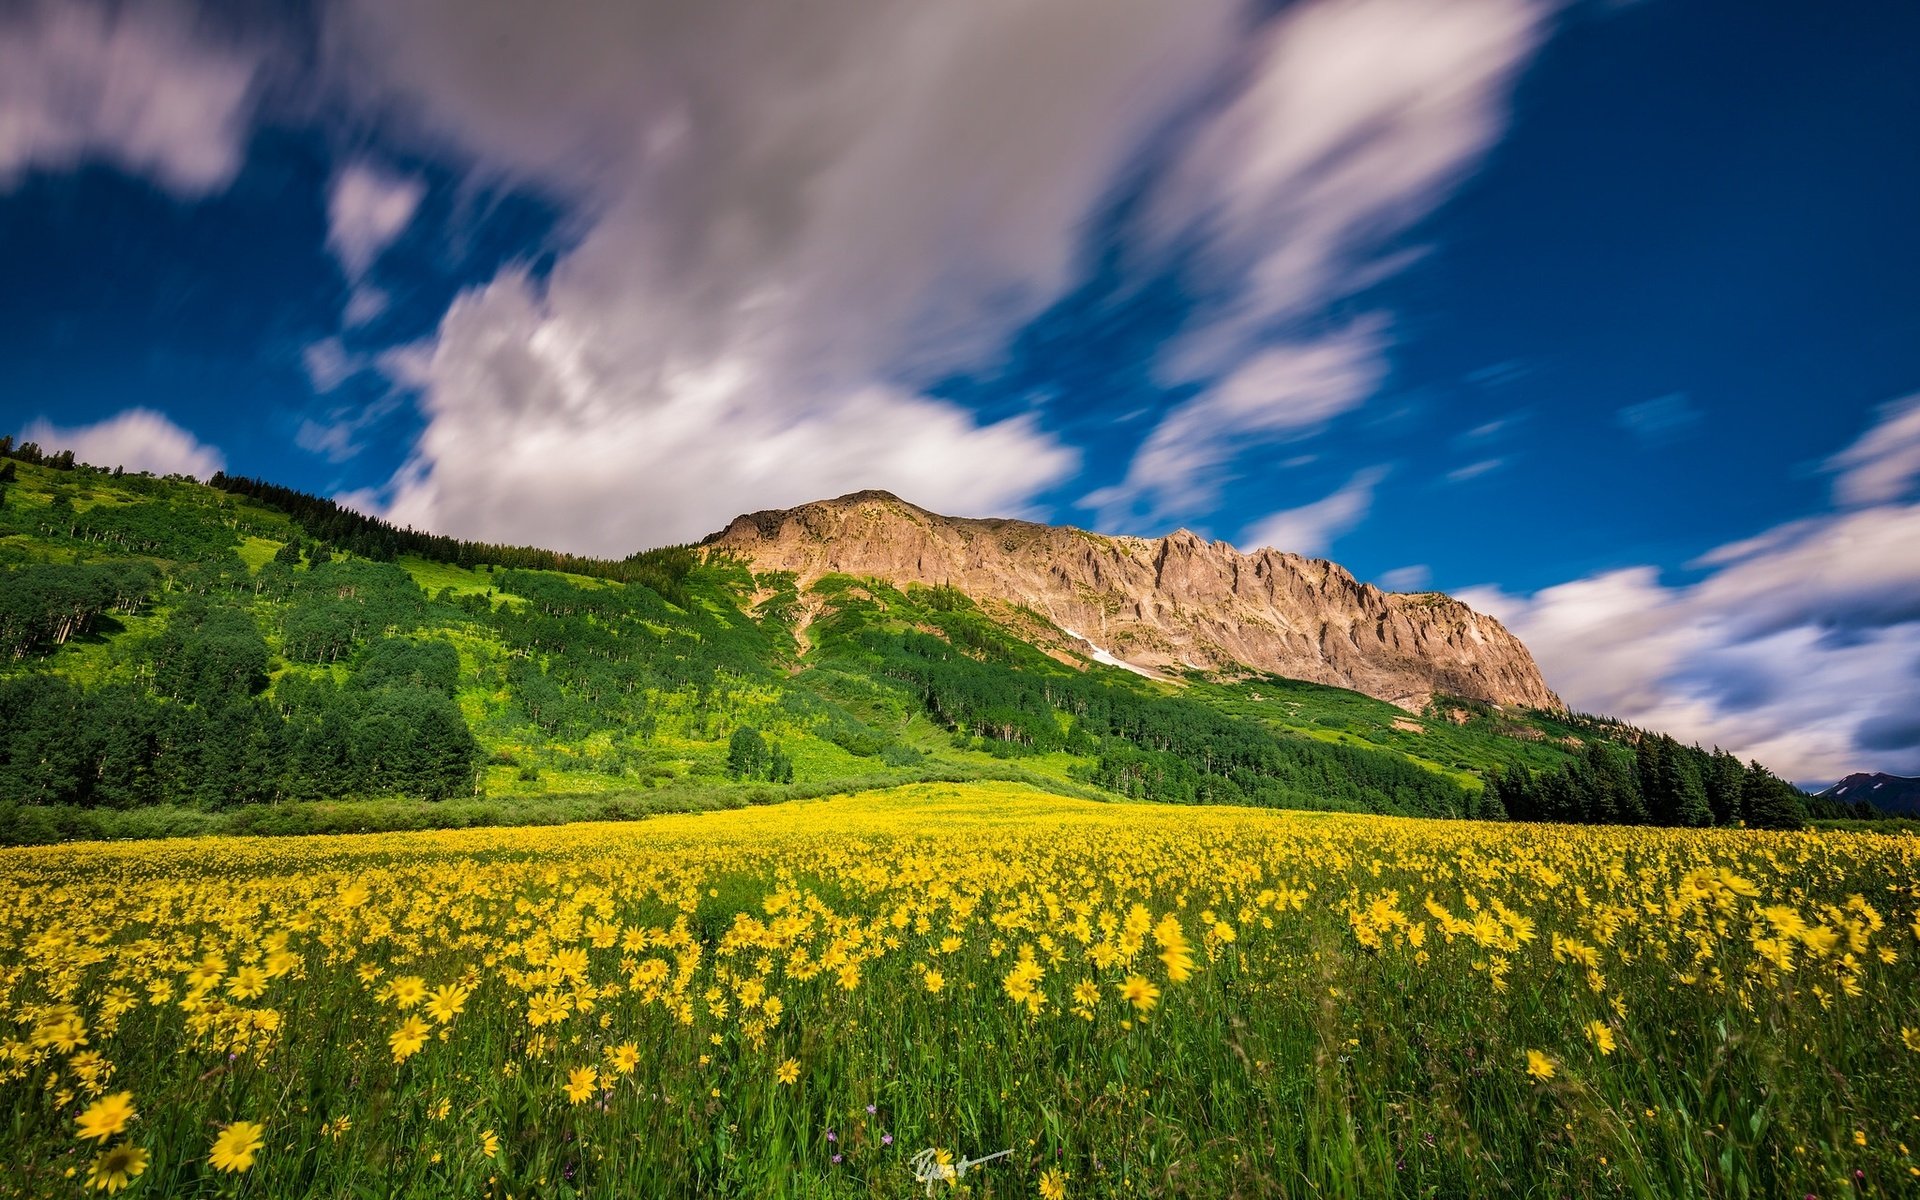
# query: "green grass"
(257, 552)
(433, 577)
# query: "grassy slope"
(828, 708)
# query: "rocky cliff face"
(1158, 604)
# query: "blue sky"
(1603, 316)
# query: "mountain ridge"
(1887, 793)
(1161, 605)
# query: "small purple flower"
(886, 1139)
(871, 1110)
(836, 1160)
(832, 1136)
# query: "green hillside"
(183, 657)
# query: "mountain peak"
(1165, 604)
(1888, 793)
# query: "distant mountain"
(1161, 605)
(1888, 793)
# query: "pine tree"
(1770, 802)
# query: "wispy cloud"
(368, 207)
(1283, 391)
(1885, 462)
(1411, 578)
(1312, 529)
(1475, 470)
(1660, 419)
(1351, 120)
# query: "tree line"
(329, 521)
(207, 732)
(1655, 781)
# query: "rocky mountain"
(1158, 605)
(1888, 793)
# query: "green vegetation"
(179, 656)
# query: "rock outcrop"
(1162, 604)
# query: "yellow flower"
(1602, 1036)
(624, 1057)
(789, 1071)
(234, 1149)
(489, 1143)
(1139, 992)
(407, 1040)
(1911, 1037)
(446, 1003)
(935, 981)
(1174, 950)
(106, 1116)
(407, 990)
(1053, 1184)
(113, 1169)
(247, 983)
(580, 1083)
(1539, 1065)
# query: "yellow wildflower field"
(864, 995)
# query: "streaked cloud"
(148, 88)
(782, 225)
(1885, 462)
(1282, 391)
(1312, 529)
(1348, 121)
(1413, 578)
(1475, 470)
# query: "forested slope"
(179, 656)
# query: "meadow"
(823, 997)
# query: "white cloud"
(328, 364)
(1474, 470)
(1884, 463)
(138, 439)
(1412, 578)
(1801, 648)
(784, 220)
(367, 208)
(1312, 528)
(526, 442)
(140, 86)
(1351, 119)
(339, 437)
(1284, 390)
(364, 303)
